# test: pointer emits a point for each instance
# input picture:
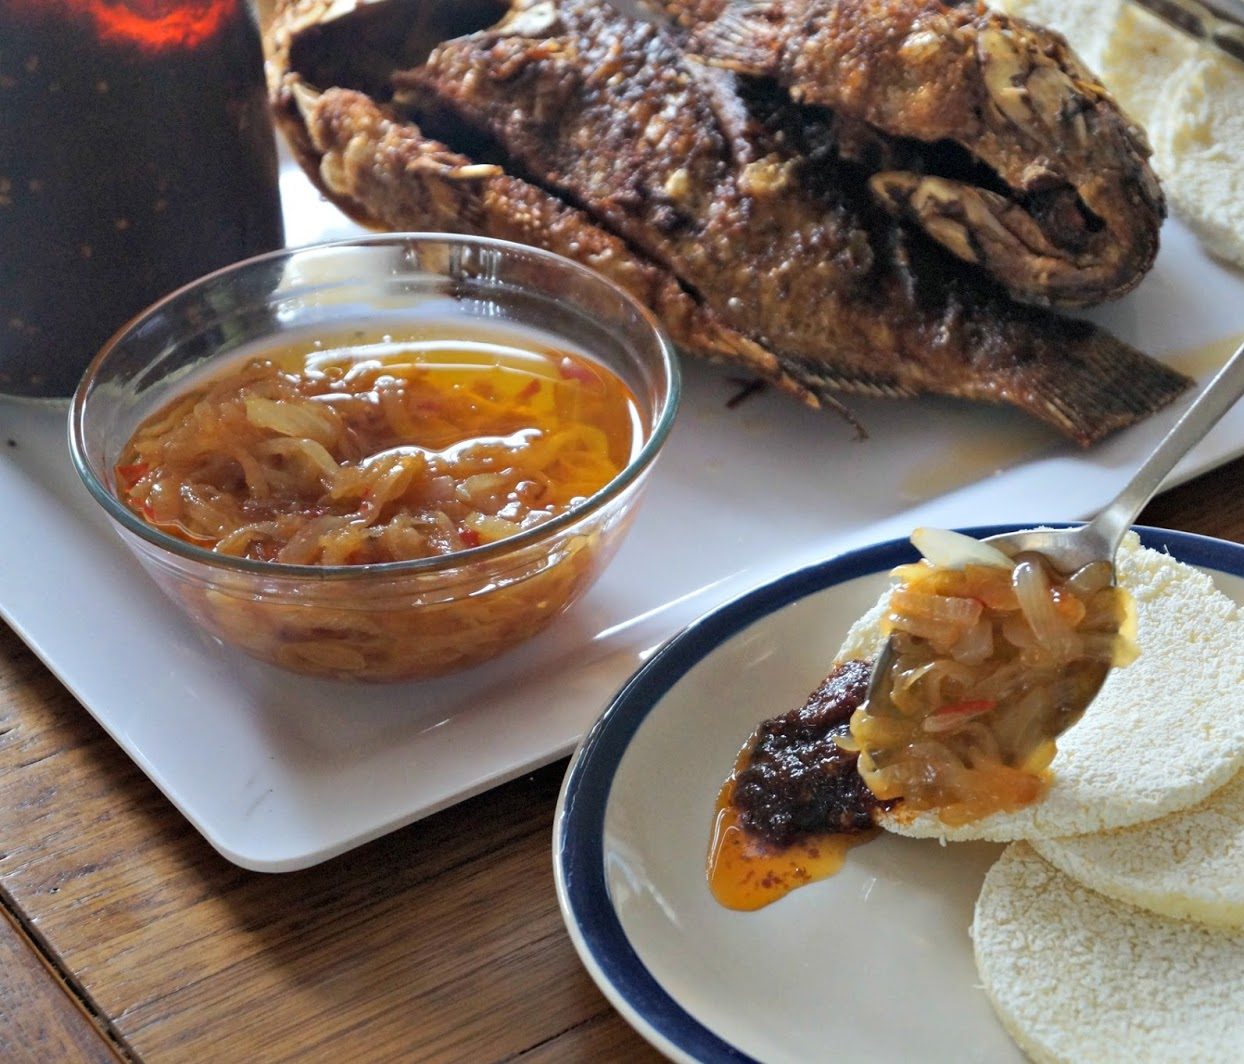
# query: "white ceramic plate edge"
(591, 919)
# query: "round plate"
(872, 963)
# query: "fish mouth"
(1053, 203)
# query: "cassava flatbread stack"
(1116, 932)
(1076, 976)
(1189, 865)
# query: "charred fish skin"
(956, 334)
(1070, 213)
(726, 192)
(387, 174)
(608, 114)
(948, 337)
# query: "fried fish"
(985, 131)
(712, 197)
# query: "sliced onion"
(980, 746)
(315, 454)
(256, 478)
(314, 421)
(904, 678)
(954, 550)
(398, 539)
(954, 716)
(480, 487)
(1039, 656)
(931, 764)
(237, 541)
(1069, 607)
(943, 672)
(165, 501)
(975, 646)
(938, 609)
(938, 634)
(1023, 724)
(885, 783)
(1032, 588)
(1002, 682)
(1040, 758)
(303, 547)
(1109, 647)
(1016, 631)
(1102, 614)
(1091, 577)
(200, 511)
(489, 528)
(340, 545)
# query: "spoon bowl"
(1068, 550)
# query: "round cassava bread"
(1075, 976)
(1198, 143)
(1142, 58)
(1163, 734)
(1188, 865)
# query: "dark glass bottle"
(136, 153)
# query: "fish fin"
(825, 398)
(819, 384)
(1075, 377)
(823, 381)
(814, 386)
(746, 37)
(1086, 384)
(1097, 386)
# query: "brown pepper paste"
(796, 780)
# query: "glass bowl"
(395, 620)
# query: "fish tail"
(1096, 386)
(1080, 380)
(746, 37)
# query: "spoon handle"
(1216, 399)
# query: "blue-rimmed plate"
(872, 964)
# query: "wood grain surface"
(441, 941)
(40, 1019)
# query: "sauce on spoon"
(991, 658)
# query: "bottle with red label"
(136, 154)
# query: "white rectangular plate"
(279, 772)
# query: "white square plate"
(280, 772)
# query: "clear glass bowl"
(398, 620)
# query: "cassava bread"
(1075, 976)
(1141, 58)
(1184, 94)
(1198, 138)
(1188, 865)
(1163, 734)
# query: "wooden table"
(125, 936)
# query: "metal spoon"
(1070, 549)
